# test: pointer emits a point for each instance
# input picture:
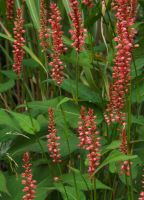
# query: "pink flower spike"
(125, 15)
(58, 48)
(44, 30)
(141, 196)
(89, 139)
(18, 52)
(78, 33)
(53, 144)
(30, 184)
(10, 9)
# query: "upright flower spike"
(78, 32)
(18, 52)
(28, 181)
(89, 139)
(88, 3)
(141, 196)
(57, 44)
(44, 30)
(125, 167)
(125, 15)
(10, 9)
(53, 144)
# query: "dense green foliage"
(24, 114)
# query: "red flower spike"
(53, 144)
(44, 30)
(10, 9)
(88, 3)
(78, 32)
(141, 196)
(57, 43)
(18, 52)
(89, 139)
(125, 167)
(28, 181)
(125, 16)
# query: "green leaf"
(3, 184)
(85, 93)
(139, 64)
(83, 182)
(115, 156)
(65, 99)
(33, 13)
(68, 141)
(114, 145)
(6, 120)
(10, 74)
(6, 86)
(71, 192)
(26, 123)
(138, 120)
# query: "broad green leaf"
(70, 192)
(85, 93)
(83, 182)
(3, 183)
(114, 145)
(115, 156)
(65, 99)
(6, 120)
(26, 123)
(10, 74)
(6, 86)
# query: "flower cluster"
(88, 3)
(78, 32)
(89, 140)
(141, 196)
(125, 167)
(121, 70)
(18, 52)
(9, 9)
(53, 144)
(44, 30)
(28, 181)
(57, 43)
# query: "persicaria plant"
(72, 99)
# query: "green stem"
(95, 194)
(67, 141)
(77, 76)
(62, 181)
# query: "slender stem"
(67, 141)
(95, 194)
(77, 76)
(62, 181)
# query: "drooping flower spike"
(10, 9)
(18, 52)
(78, 32)
(44, 30)
(89, 139)
(30, 184)
(58, 48)
(53, 144)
